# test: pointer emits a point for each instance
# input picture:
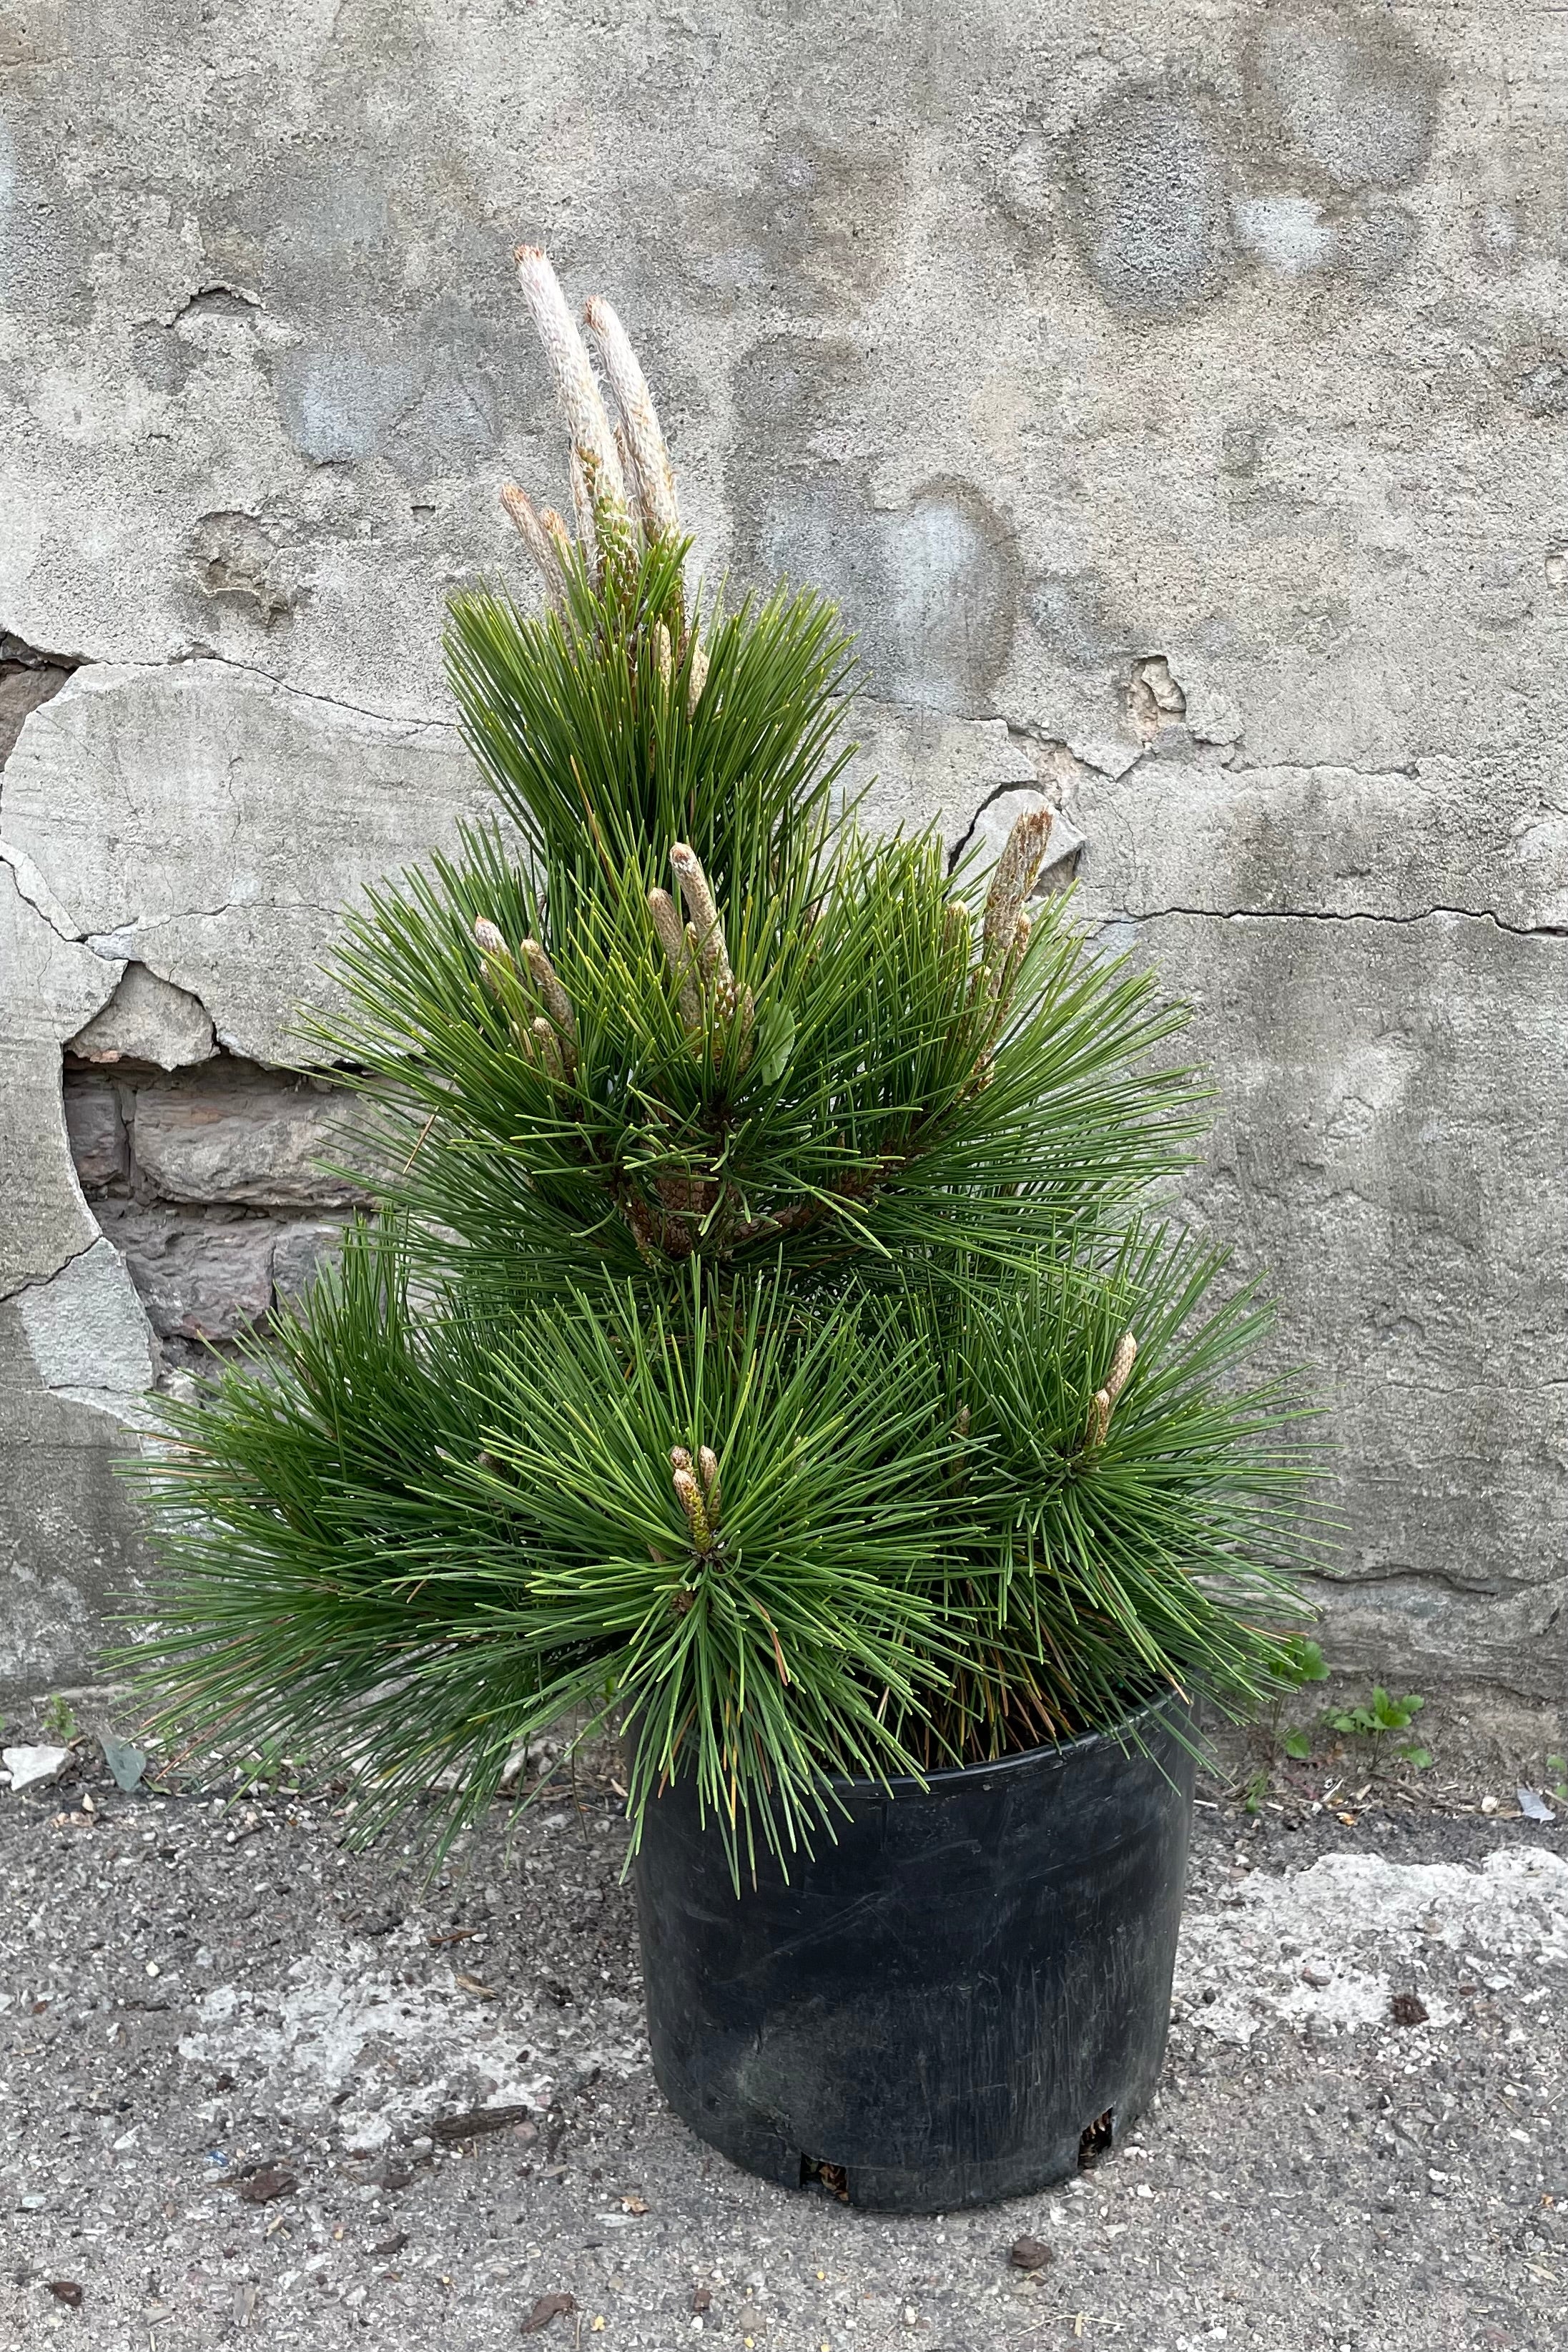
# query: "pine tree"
(763, 1339)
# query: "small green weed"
(264, 1770)
(1557, 1778)
(1304, 1664)
(1381, 1718)
(60, 1721)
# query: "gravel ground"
(231, 2046)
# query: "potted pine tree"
(762, 1345)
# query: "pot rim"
(948, 1776)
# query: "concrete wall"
(1175, 396)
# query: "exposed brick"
(97, 1129)
(229, 1131)
(201, 1276)
(300, 1254)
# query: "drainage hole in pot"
(815, 2173)
(1095, 2141)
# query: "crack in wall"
(32, 888)
(43, 674)
(42, 1281)
(956, 854)
(411, 722)
(86, 1335)
(1337, 915)
(1174, 723)
(29, 677)
(112, 944)
(118, 946)
(1362, 1579)
(17, 657)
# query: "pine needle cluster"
(762, 1340)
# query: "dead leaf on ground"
(1408, 2008)
(66, 2291)
(1030, 2254)
(473, 1985)
(634, 2204)
(549, 2307)
(450, 1936)
(272, 2180)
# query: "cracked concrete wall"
(1174, 395)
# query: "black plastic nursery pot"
(956, 2001)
